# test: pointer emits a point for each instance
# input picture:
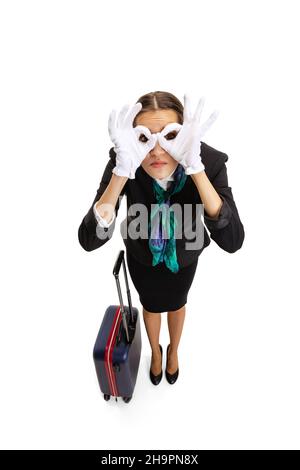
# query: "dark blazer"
(227, 230)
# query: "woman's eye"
(171, 135)
(143, 138)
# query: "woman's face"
(156, 121)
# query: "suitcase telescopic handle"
(118, 263)
(121, 260)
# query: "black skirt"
(159, 289)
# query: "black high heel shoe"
(155, 379)
(171, 378)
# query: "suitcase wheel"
(106, 397)
(127, 399)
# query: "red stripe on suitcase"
(113, 342)
(109, 348)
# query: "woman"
(159, 162)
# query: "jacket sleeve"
(227, 229)
(92, 233)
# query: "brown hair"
(160, 100)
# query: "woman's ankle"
(156, 350)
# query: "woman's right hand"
(130, 150)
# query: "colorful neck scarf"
(163, 243)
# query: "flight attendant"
(159, 159)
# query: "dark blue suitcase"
(117, 349)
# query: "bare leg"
(175, 325)
(152, 324)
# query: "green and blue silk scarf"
(163, 223)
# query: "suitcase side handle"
(121, 260)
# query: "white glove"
(130, 150)
(186, 146)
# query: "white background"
(64, 66)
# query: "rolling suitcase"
(117, 349)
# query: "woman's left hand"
(185, 147)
